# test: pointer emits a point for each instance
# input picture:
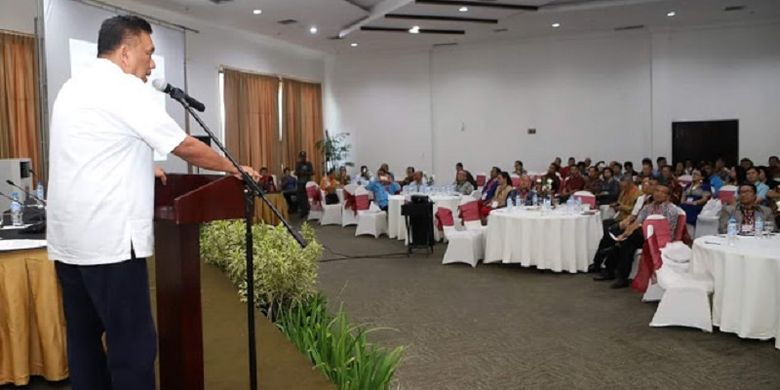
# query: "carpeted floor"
(506, 327)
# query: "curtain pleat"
(302, 109)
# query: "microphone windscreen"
(159, 84)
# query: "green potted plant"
(335, 149)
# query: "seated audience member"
(552, 175)
(746, 163)
(417, 184)
(773, 161)
(695, 197)
(524, 187)
(626, 216)
(628, 166)
(289, 186)
(364, 177)
(573, 183)
(675, 188)
(491, 185)
(588, 163)
(593, 183)
(610, 189)
(469, 177)
(462, 186)
(329, 184)
(266, 181)
(720, 168)
(660, 162)
(502, 192)
(570, 164)
(620, 259)
(583, 168)
(519, 171)
(617, 170)
(382, 188)
(386, 168)
(557, 161)
(713, 177)
(745, 211)
(409, 177)
(679, 169)
(752, 174)
(688, 166)
(647, 169)
(764, 177)
(343, 177)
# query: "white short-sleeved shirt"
(640, 201)
(104, 126)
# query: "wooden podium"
(180, 207)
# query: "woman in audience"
(519, 171)
(491, 185)
(462, 185)
(610, 188)
(329, 184)
(343, 177)
(501, 195)
(679, 169)
(695, 197)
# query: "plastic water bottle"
(39, 193)
(16, 210)
(534, 199)
(731, 231)
(758, 228)
(579, 204)
(510, 205)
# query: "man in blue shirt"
(761, 188)
(382, 188)
(714, 178)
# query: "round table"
(558, 240)
(746, 277)
(395, 222)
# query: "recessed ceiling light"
(671, 13)
(257, 11)
(313, 29)
(354, 44)
(556, 25)
(463, 9)
(415, 30)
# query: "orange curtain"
(302, 109)
(19, 103)
(252, 119)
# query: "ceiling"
(334, 17)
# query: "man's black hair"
(114, 30)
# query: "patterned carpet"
(506, 327)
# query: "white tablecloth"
(396, 224)
(746, 300)
(557, 240)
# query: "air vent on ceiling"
(733, 8)
(287, 21)
(632, 27)
(335, 38)
(500, 30)
(445, 44)
(220, 1)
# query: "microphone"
(178, 94)
(29, 194)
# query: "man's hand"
(160, 174)
(249, 170)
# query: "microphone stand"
(251, 189)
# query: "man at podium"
(105, 125)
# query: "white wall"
(608, 96)
(18, 15)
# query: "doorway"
(706, 141)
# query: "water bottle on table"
(731, 231)
(758, 228)
(39, 193)
(16, 210)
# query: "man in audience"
(289, 189)
(746, 163)
(417, 184)
(619, 260)
(761, 188)
(713, 177)
(675, 188)
(571, 163)
(519, 170)
(626, 216)
(764, 177)
(382, 188)
(773, 161)
(469, 177)
(573, 183)
(491, 185)
(304, 171)
(593, 183)
(386, 168)
(610, 189)
(629, 167)
(364, 177)
(660, 162)
(554, 177)
(744, 212)
(647, 168)
(588, 163)
(409, 177)
(266, 181)
(688, 166)
(462, 186)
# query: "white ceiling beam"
(377, 11)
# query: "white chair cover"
(372, 221)
(313, 214)
(685, 301)
(331, 213)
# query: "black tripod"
(251, 189)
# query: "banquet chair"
(476, 194)
(657, 234)
(350, 205)
(515, 180)
(481, 179)
(587, 198)
(607, 212)
(465, 246)
(370, 220)
(685, 301)
(468, 209)
(315, 201)
(708, 219)
(331, 213)
(727, 194)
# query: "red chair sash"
(481, 180)
(362, 202)
(470, 211)
(315, 197)
(444, 218)
(349, 202)
(726, 197)
(515, 181)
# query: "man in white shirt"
(104, 127)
